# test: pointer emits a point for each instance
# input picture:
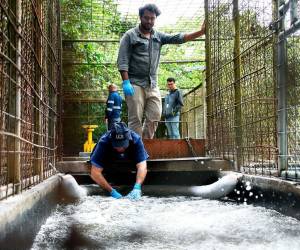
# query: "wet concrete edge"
(22, 215)
(269, 192)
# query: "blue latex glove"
(136, 192)
(127, 88)
(115, 194)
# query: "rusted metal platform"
(166, 148)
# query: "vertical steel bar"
(203, 93)
(208, 74)
(275, 63)
(59, 84)
(237, 85)
(194, 114)
(282, 102)
(17, 163)
(39, 52)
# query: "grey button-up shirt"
(139, 56)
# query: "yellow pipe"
(90, 135)
(89, 144)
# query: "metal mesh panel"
(242, 118)
(30, 76)
(193, 115)
(259, 108)
(221, 114)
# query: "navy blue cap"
(120, 135)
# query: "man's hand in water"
(136, 192)
(115, 194)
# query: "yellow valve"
(89, 144)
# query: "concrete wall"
(21, 216)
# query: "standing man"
(120, 143)
(113, 106)
(172, 107)
(138, 61)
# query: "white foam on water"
(166, 223)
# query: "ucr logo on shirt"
(120, 137)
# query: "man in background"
(172, 107)
(113, 106)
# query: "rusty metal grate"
(29, 91)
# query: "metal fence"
(29, 91)
(193, 114)
(252, 77)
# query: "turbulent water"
(97, 222)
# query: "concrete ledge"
(157, 165)
(275, 193)
(73, 167)
(291, 174)
(274, 184)
(22, 215)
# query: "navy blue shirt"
(104, 153)
(113, 106)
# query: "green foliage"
(187, 76)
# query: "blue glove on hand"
(127, 88)
(136, 192)
(115, 194)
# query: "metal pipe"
(282, 94)
(103, 40)
(60, 90)
(275, 14)
(208, 75)
(237, 85)
(113, 63)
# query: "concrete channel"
(21, 216)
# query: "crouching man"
(120, 143)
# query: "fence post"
(281, 94)
(38, 162)
(237, 85)
(58, 132)
(17, 162)
(275, 71)
(208, 76)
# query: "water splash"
(97, 222)
(70, 187)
